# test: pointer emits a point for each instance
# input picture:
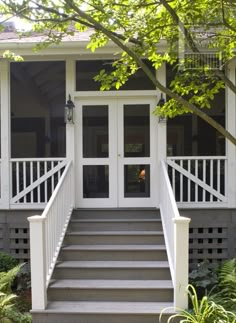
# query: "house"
(115, 162)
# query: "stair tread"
(115, 233)
(113, 264)
(109, 307)
(110, 284)
(114, 247)
(115, 220)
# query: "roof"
(14, 37)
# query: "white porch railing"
(176, 232)
(33, 180)
(199, 180)
(46, 235)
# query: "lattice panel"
(208, 243)
(19, 242)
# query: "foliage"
(6, 296)
(11, 306)
(226, 294)
(7, 262)
(203, 311)
(203, 278)
(161, 31)
(18, 317)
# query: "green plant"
(11, 306)
(7, 262)
(6, 296)
(17, 317)
(203, 278)
(203, 311)
(226, 295)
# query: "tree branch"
(193, 46)
(192, 108)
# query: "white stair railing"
(46, 235)
(176, 232)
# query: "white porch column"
(162, 127)
(70, 127)
(5, 133)
(230, 148)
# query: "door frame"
(116, 164)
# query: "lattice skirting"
(212, 235)
(14, 233)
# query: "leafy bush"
(6, 295)
(226, 291)
(203, 276)
(7, 262)
(9, 312)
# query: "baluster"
(17, 178)
(24, 179)
(53, 178)
(218, 177)
(181, 182)
(173, 180)
(31, 182)
(189, 182)
(196, 185)
(45, 184)
(204, 180)
(211, 179)
(38, 187)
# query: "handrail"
(46, 235)
(176, 233)
(196, 157)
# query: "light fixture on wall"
(69, 111)
(161, 102)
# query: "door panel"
(96, 154)
(137, 152)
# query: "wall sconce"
(69, 111)
(161, 102)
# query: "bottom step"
(104, 312)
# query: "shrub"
(226, 291)
(7, 262)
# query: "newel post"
(38, 262)
(181, 263)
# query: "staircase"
(112, 268)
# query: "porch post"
(5, 133)
(162, 127)
(70, 128)
(230, 148)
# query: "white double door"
(116, 162)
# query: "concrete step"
(115, 224)
(114, 237)
(111, 290)
(104, 312)
(113, 252)
(130, 213)
(129, 270)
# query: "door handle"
(119, 155)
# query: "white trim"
(5, 133)
(161, 141)
(115, 94)
(230, 148)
